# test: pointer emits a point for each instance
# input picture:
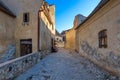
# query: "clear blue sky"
(67, 9)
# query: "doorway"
(25, 46)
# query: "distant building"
(63, 35)
(58, 37)
(28, 25)
(59, 40)
(78, 20)
(71, 33)
(98, 37)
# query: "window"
(25, 17)
(64, 38)
(103, 39)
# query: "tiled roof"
(99, 6)
(6, 10)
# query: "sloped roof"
(4, 9)
(99, 6)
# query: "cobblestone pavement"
(65, 65)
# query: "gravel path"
(65, 65)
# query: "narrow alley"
(64, 65)
(59, 40)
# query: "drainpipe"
(39, 16)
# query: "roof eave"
(93, 12)
(8, 13)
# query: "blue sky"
(67, 9)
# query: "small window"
(26, 17)
(103, 39)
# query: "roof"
(4, 9)
(99, 6)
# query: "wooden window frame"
(102, 35)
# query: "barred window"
(102, 38)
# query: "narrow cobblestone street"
(64, 65)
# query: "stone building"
(47, 27)
(59, 40)
(26, 33)
(58, 37)
(26, 26)
(63, 35)
(98, 37)
(71, 33)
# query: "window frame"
(102, 36)
(26, 17)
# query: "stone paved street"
(64, 65)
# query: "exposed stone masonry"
(8, 54)
(15, 67)
(111, 59)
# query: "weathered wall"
(87, 37)
(45, 38)
(27, 31)
(47, 28)
(70, 39)
(45, 33)
(7, 30)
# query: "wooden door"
(25, 46)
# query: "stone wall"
(25, 31)
(7, 30)
(9, 53)
(11, 69)
(112, 59)
(87, 42)
(45, 37)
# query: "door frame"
(26, 43)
